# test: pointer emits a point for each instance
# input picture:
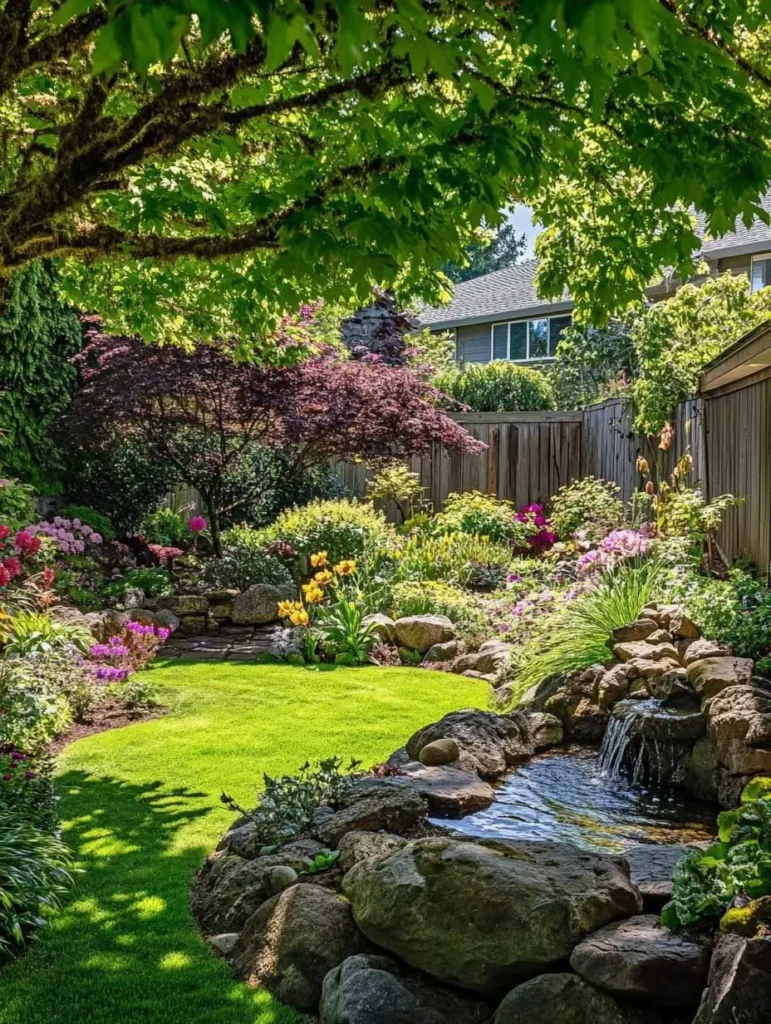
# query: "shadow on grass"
(126, 946)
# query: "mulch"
(112, 714)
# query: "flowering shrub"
(166, 552)
(617, 546)
(590, 504)
(537, 532)
(69, 536)
(127, 652)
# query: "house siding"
(473, 343)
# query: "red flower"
(5, 531)
(13, 566)
(48, 576)
(5, 576)
(26, 541)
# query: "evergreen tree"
(503, 250)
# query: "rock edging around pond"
(415, 923)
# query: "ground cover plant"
(141, 810)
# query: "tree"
(500, 250)
(38, 334)
(655, 354)
(203, 413)
(200, 167)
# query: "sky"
(522, 219)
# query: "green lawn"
(141, 810)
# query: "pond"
(563, 795)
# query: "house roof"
(512, 292)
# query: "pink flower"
(95, 538)
(197, 523)
(48, 576)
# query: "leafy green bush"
(244, 562)
(96, 520)
(452, 557)
(39, 695)
(34, 876)
(167, 526)
(343, 631)
(499, 386)
(397, 484)
(589, 504)
(34, 633)
(17, 504)
(344, 529)
(152, 583)
(578, 635)
(739, 864)
(481, 514)
(287, 804)
(433, 597)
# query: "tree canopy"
(202, 166)
(500, 250)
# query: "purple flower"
(196, 524)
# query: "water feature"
(650, 740)
(564, 795)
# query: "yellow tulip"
(346, 567)
(299, 618)
(319, 560)
(323, 577)
(285, 609)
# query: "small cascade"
(649, 741)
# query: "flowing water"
(650, 741)
(564, 795)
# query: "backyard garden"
(276, 747)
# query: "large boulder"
(382, 626)
(442, 652)
(494, 741)
(371, 990)
(739, 722)
(228, 889)
(574, 700)
(363, 845)
(546, 730)
(563, 999)
(259, 604)
(383, 806)
(184, 604)
(709, 676)
(639, 959)
(640, 629)
(698, 650)
(634, 649)
(485, 914)
(739, 990)
(292, 942)
(449, 791)
(651, 868)
(420, 632)
(67, 615)
(491, 658)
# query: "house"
(501, 315)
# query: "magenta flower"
(197, 523)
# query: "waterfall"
(650, 740)
(614, 744)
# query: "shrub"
(167, 526)
(152, 583)
(452, 557)
(98, 521)
(499, 386)
(433, 597)
(344, 529)
(27, 788)
(736, 611)
(39, 695)
(589, 504)
(244, 562)
(34, 633)
(17, 504)
(34, 876)
(480, 514)
(398, 485)
(739, 865)
(578, 636)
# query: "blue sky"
(522, 219)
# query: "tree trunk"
(214, 522)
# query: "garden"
(275, 748)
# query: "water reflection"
(563, 795)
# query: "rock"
(739, 990)
(450, 791)
(280, 878)
(132, 597)
(442, 652)
(144, 616)
(645, 668)
(709, 676)
(291, 943)
(651, 869)
(193, 625)
(371, 990)
(546, 730)
(441, 751)
(700, 777)
(573, 699)
(639, 959)
(485, 914)
(645, 651)
(485, 677)
(640, 629)
(661, 636)
(491, 658)
(69, 616)
(562, 999)
(494, 741)
(362, 845)
(228, 889)
(223, 945)
(168, 619)
(739, 722)
(682, 627)
(420, 632)
(184, 604)
(671, 686)
(390, 808)
(613, 686)
(382, 626)
(259, 604)
(698, 650)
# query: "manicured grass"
(141, 810)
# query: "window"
(760, 275)
(526, 340)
